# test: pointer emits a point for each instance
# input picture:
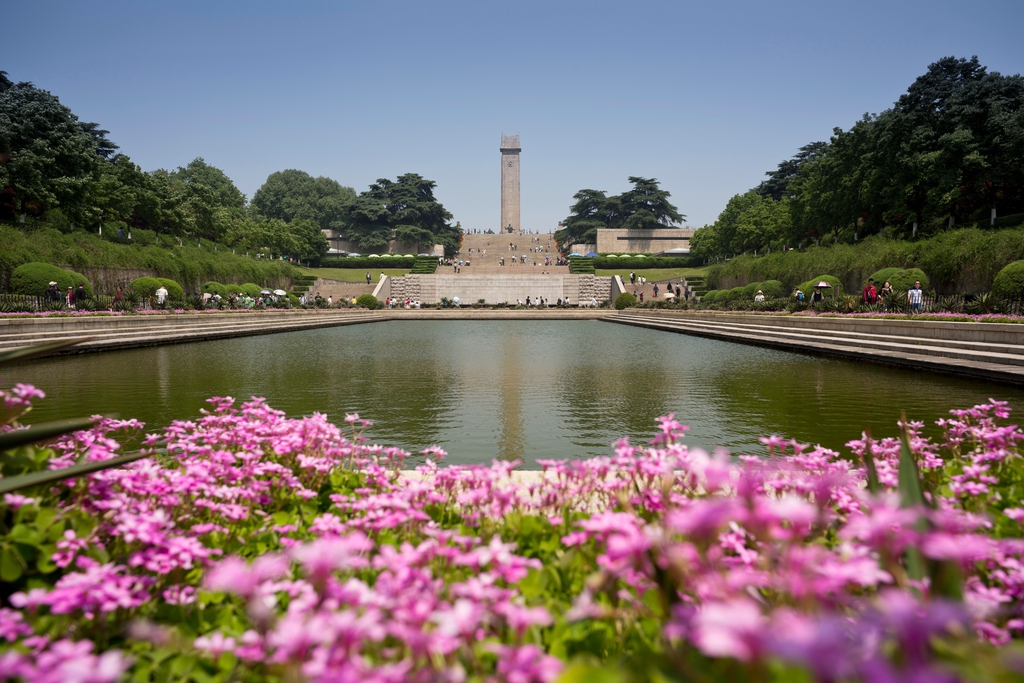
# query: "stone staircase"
(986, 350)
(487, 250)
(113, 332)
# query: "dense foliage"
(947, 153)
(66, 172)
(645, 207)
(249, 546)
(187, 263)
(959, 260)
(33, 278)
(404, 210)
(146, 287)
(365, 262)
(1010, 280)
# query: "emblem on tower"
(510, 183)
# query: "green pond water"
(510, 389)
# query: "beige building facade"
(510, 150)
(642, 241)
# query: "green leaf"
(38, 350)
(588, 673)
(909, 478)
(43, 432)
(11, 565)
(9, 484)
(24, 534)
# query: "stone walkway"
(991, 351)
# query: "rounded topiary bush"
(215, 288)
(34, 278)
(710, 296)
(772, 289)
(174, 290)
(732, 295)
(808, 287)
(624, 300)
(251, 290)
(367, 301)
(146, 287)
(901, 279)
(235, 289)
(750, 290)
(1010, 280)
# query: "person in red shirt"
(870, 294)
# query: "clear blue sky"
(705, 96)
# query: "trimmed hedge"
(146, 287)
(901, 279)
(1010, 280)
(808, 287)
(636, 263)
(624, 300)
(733, 294)
(235, 289)
(251, 290)
(750, 290)
(364, 262)
(216, 288)
(367, 301)
(773, 289)
(34, 278)
(711, 296)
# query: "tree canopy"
(404, 209)
(645, 207)
(291, 194)
(948, 152)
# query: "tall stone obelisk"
(510, 182)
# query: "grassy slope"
(653, 274)
(354, 274)
(965, 260)
(186, 264)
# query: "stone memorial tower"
(510, 182)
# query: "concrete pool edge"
(924, 345)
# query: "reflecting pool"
(510, 389)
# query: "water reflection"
(510, 389)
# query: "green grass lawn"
(354, 274)
(652, 274)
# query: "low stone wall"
(497, 289)
(991, 333)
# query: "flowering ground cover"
(255, 547)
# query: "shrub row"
(146, 287)
(362, 262)
(34, 278)
(638, 262)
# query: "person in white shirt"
(161, 295)
(915, 296)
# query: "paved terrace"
(988, 351)
(110, 332)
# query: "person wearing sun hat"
(52, 294)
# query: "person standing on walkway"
(80, 295)
(161, 295)
(367, 277)
(52, 294)
(870, 295)
(915, 296)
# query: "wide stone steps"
(990, 360)
(166, 330)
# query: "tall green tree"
(198, 172)
(291, 194)
(49, 158)
(645, 207)
(404, 209)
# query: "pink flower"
(215, 643)
(730, 629)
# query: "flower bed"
(251, 546)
